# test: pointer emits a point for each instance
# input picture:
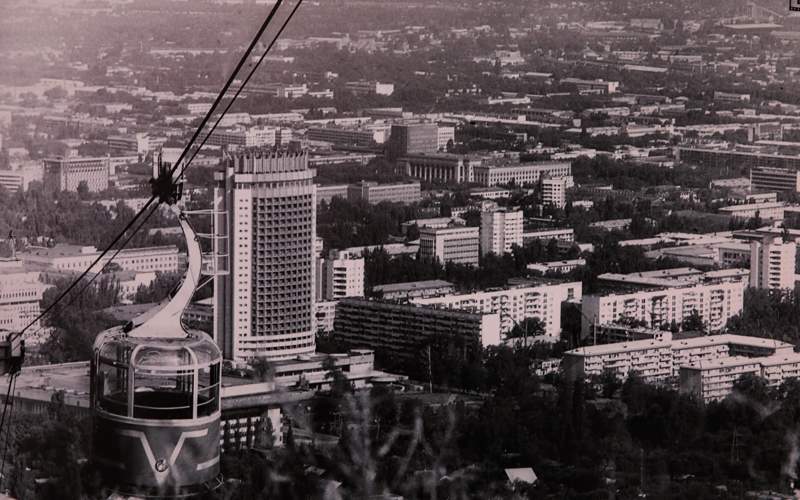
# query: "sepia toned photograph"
(399, 249)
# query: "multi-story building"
(775, 179)
(341, 275)
(500, 231)
(444, 136)
(402, 332)
(328, 193)
(413, 289)
(663, 359)
(599, 86)
(564, 234)
(326, 315)
(460, 245)
(373, 193)
(710, 157)
(515, 304)
(554, 190)
(442, 167)
(244, 137)
(66, 174)
(715, 302)
(413, 138)
(21, 294)
(520, 173)
(19, 178)
(713, 380)
(73, 258)
(264, 305)
(363, 137)
(370, 88)
(132, 144)
(765, 211)
(731, 97)
(772, 263)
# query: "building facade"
(73, 258)
(341, 275)
(661, 307)
(772, 263)
(500, 231)
(444, 168)
(775, 179)
(373, 193)
(554, 191)
(460, 245)
(515, 304)
(520, 173)
(403, 331)
(264, 306)
(413, 138)
(67, 174)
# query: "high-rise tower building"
(264, 305)
(500, 231)
(772, 263)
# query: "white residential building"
(663, 359)
(554, 190)
(516, 304)
(713, 380)
(772, 263)
(500, 231)
(715, 302)
(445, 135)
(342, 275)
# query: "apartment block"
(764, 211)
(341, 275)
(775, 179)
(515, 304)
(662, 358)
(500, 231)
(460, 245)
(561, 234)
(772, 263)
(554, 191)
(714, 380)
(715, 302)
(402, 332)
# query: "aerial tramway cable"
(157, 197)
(186, 149)
(177, 163)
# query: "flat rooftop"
(411, 285)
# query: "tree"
(83, 190)
(693, 322)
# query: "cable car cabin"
(156, 403)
